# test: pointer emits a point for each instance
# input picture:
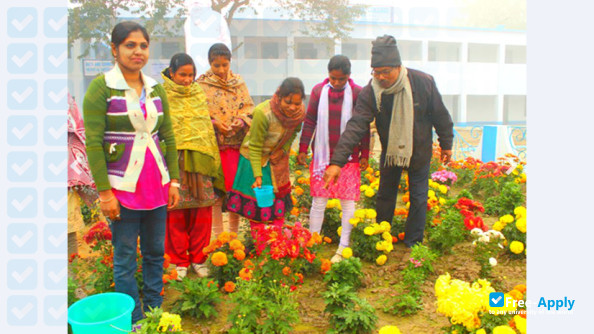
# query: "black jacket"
(429, 112)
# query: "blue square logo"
(55, 166)
(22, 94)
(56, 310)
(21, 202)
(22, 166)
(56, 274)
(55, 236)
(55, 200)
(22, 58)
(56, 58)
(496, 299)
(55, 22)
(55, 131)
(21, 311)
(22, 274)
(21, 22)
(55, 92)
(22, 238)
(21, 130)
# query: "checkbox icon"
(21, 274)
(55, 202)
(56, 274)
(22, 238)
(56, 310)
(21, 22)
(496, 299)
(22, 58)
(21, 166)
(22, 94)
(21, 202)
(55, 22)
(55, 131)
(21, 130)
(55, 92)
(55, 166)
(55, 237)
(56, 58)
(21, 310)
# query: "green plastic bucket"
(104, 313)
(264, 196)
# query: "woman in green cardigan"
(264, 156)
(133, 159)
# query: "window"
(357, 49)
(515, 54)
(313, 48)
(452, 103)
(265, 48)
(481, 108)
(444, 51)
(410, 50)
(483, 53)
(514, 108)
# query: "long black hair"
(122, 30)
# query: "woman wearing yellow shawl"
(189, 225)
(231, 110)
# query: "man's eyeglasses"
(382, 72)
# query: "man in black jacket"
(406, 105)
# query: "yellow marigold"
(520, 324)
(521, 224)
(224, 237)
(347, 252)
(219, 259)
(298, 172)
(520, 211)
(229, 287)
(442, 201)
(408, 205)
(239, 254)
(363, 187)
(506, 219)
(381, 260)
(236, 244)
(369, 170)
(339, 231)
(498, 226)
(379, 246)
(481, 331)
(503, 330)
(369, 192)
(386, 227)
(443, 189)
(389, 330)
(370, 213)
(387, 236)
(360, 213)
(354, 221)
(430, 194)
(331, 204)
(368, 230)
(516, 247)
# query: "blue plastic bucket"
(104, 313)
(264, 196)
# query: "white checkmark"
(22, 168)
(20, 206)
(20, 241)
(59, 276)
(20, 97)
(59, 132)
(20, 278)
(203, 25)
(57, 241)
(57, 205)
(57, 61)
(56, 97)
(57, 25)
(21, 313)
(23, 132)
(20, 61)
(57, 313)
(20, 25)
(495, 301)
(59, 168)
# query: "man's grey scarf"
(400, 135)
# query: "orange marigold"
(521, 288)
(295, 211)
(236, 244)
(239, 254)
(326, 265)
(401, 236)
(298, 191)
(166, 261)
(173, 274)
(327, 240)
(233, 235)
(248, 264)
(245, 274)
(286, 271)
(224, 237)
(517, 295)
(166, 278)
(406, 197)
(219, 259)
(229, 287)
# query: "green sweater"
(117, 134)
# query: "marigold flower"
(338, 231)
(521, 288)
(298, 191)
(326, 265)
(520, 212)
(248, 264)
(516, 247)
(381, 260)
(219, 259)
(521, 224)
(520, 324)
(401, 236)
(295, 211)
(229, 287)
(327, 240)
(224, 237)
(406, 197)
(481, 331)
(516, 295)
(236, 244)
(443, 189)
(239, 254)
(369, 192)
(389, 330)
(363, 187)
(347, 252)
(370, 213)
(286, 271)
(506, 219)
(498, 226)
(245, 274)
(503, 330)
(360, 213)
(298, 172)
(368, 230)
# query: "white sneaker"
(338, 256)
(200, 269)
(181, 273)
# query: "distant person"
(330, 107)
(189, 224)
(133, 159)
(231, 110)
(264, 158)
(406, 106)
